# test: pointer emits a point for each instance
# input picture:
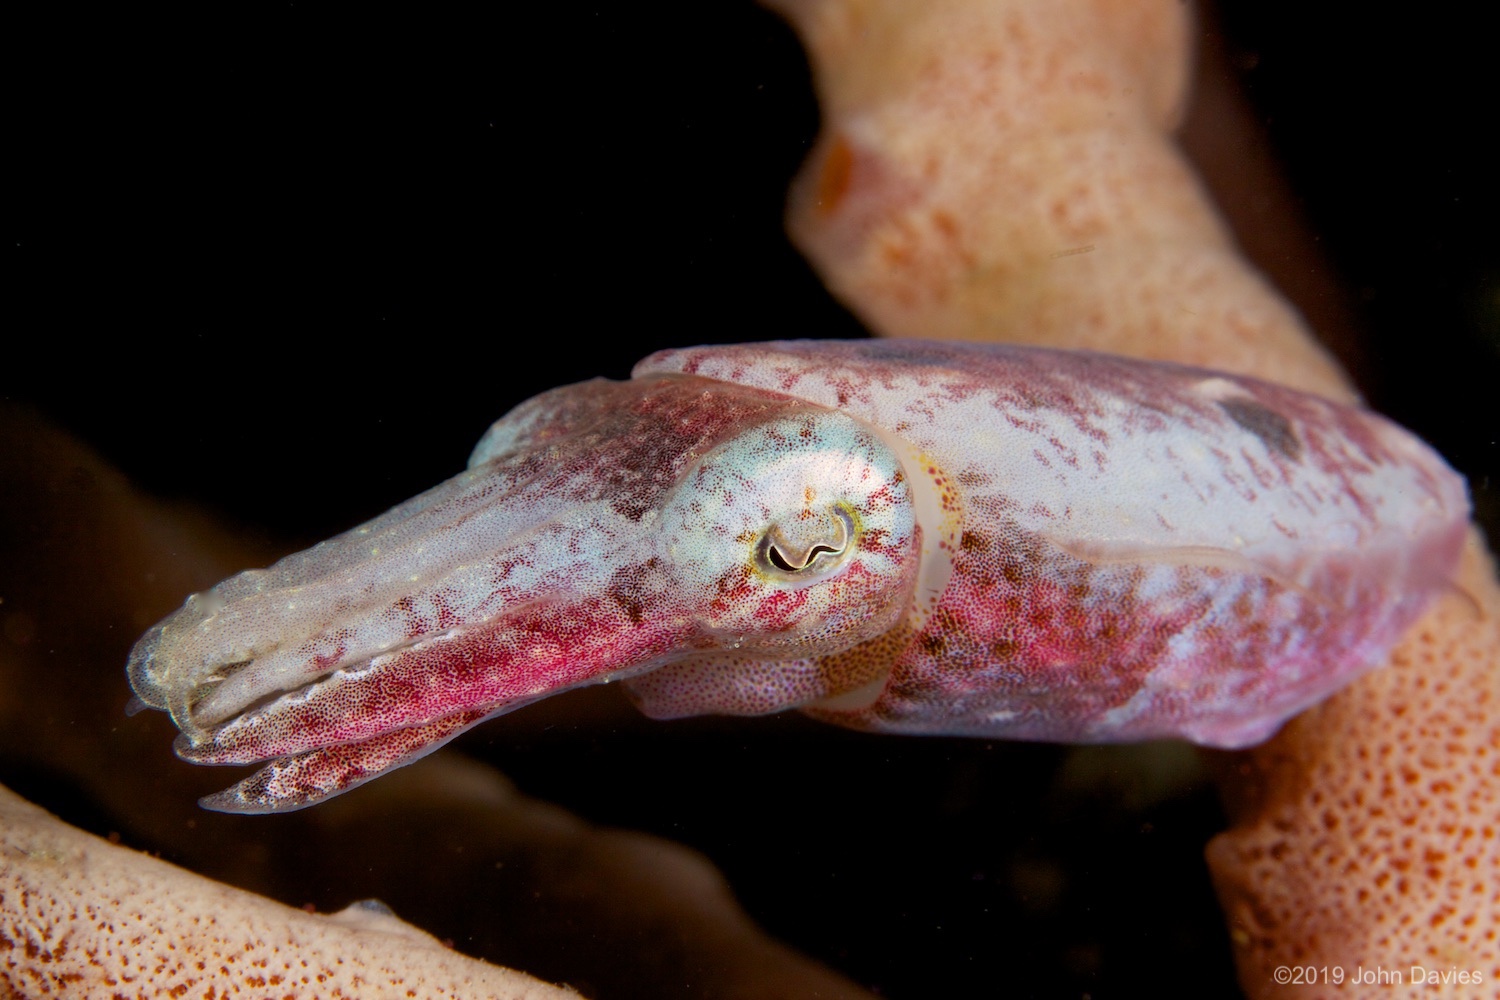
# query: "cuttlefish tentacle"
(891, 535)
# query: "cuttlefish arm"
(602, 530)
(900, 536)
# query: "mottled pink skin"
(1173, 632)
(396, 705)
(978, 539)
(550, 564)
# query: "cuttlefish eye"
(788, 551)
(798, 533)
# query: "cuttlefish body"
(897, 536)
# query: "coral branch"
(1004, 171)
(152, 929)
(1370, 827)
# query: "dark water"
(290, 267)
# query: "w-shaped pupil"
(775, 558)
(773, 553)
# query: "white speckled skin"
(894, 535)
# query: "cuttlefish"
(896, 536)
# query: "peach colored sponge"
(1370, 832)
(82, 918)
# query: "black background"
(289, 263)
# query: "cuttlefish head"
(738, 541)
